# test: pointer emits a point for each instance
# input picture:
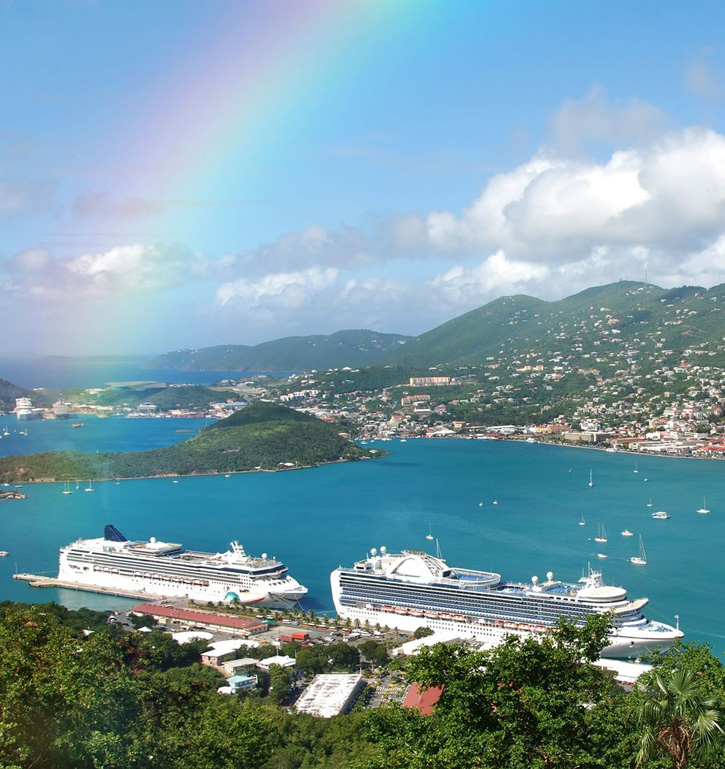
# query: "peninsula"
(262, 436)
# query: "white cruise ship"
(164, 569)
(409, 589)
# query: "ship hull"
(624, 643)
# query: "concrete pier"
(37, 580)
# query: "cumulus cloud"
(288, 291)
(132, 268)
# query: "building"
(330, 694)
(237, 684)
(243, 626)
(281, 660)
(429, 381)
(422, 700)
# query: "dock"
(37, 580)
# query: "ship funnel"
(112, 534)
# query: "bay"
(316, 519)
(80, 373)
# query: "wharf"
(37, 580)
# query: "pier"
(37, 580)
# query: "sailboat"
(67, 490)
(641, 559)
(704, 509)
(649, 504)
(90, 486)
(429, 535)
(78, 485)
(582, 522)
(636, 469)
(601, 533)
(591, 478)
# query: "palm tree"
(676, 718)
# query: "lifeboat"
(401, 610)
(431, 614)
(416, 612)
(388, 608)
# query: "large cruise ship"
(164, 569)
(409, 589)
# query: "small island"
(262, 436)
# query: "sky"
(177, 174)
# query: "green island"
(118, 698)
(262, 436)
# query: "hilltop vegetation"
(120, 700)
(294, 353)
(262, 436)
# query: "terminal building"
(330, 694)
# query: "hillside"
(294, 353)
(262, 436)
(9, 392)
(654, 324)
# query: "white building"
(330, 694)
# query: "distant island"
(262, 436)
(293, 353)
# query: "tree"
(422, 632)
(675, 718)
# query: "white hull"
(623, 644)
(166, 588)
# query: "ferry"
(394, 588)
(164, 569)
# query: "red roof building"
(423, 701)
(241, 625)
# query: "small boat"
(627, 533)
(641, 559)
(429, 535)
(646, 479)
(89, 487)
(601, 533)
(4, 553)
(67, 490)
(582, 522)
(649, 504)
(602, 555)
(591, 478)
(704, 509)
(480, 504)
(77, 424)
(661, 515)
(636, 469)
(495, 501)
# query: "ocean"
(79, 373)
(319, 518)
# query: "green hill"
(262, 436)
(645, 318)
(294, 353)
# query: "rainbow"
(248, 70)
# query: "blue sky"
(179, 174)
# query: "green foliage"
(423, 632)
(262, 435)
(676, 719)
(296, 353)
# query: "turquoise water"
(63, 373)
(317, 519)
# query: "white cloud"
(132, 268)
(286, 291)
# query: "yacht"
(627, 533)
(661, 515)
(582, 522)
(67, 492)
(704, 509)
(601, 533)
(641, 559)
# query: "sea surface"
(78, 373)
(316, 519)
